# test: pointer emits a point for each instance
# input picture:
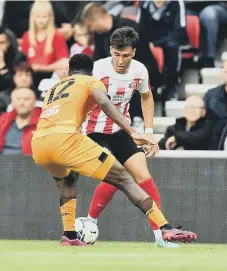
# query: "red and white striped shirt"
(120, 89)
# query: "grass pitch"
(110, 256)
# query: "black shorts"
(120, 144)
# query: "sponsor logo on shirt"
(135, 84)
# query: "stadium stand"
(210, 77)
(174, 109)
(197, 89)
(161, 123)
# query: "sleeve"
(145, 86)
(180, 19)
(97, 70)
(206, 100)
(179, 33)
(97, 84)
(189, 140)
(169, 133)
(60, 47)
(209, 105)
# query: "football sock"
(104, 193)
(156, 215)
(68, 212)
(92, 219)
(157, 234)
(71, 234)
(151, 189)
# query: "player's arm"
(112, 112)
(147, 104)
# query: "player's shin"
(151, 189)
(104, 193)
(68, 191)
(124, 182)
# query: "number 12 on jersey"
(60, 94)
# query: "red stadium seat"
(192, 28)
(133, 13)
(159, 56)
(193, 31)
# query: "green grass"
(106, 256)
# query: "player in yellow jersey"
(60, 147)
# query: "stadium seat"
(133, 13)
(174, 109)
(212, 76)
(197, 89)
(158, 137)
(193, 31)
(161, 123)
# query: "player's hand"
(140, 140)
(170, 143)
(154, 148)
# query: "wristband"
(149, 131)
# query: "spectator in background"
(16, 15)
(60, 72)
(9, 56)
(216, 99)
(43, 45)
(211, 17)
(17, 127)
(166, 27)
(116, 7)
(102, 24)
(22, 78)
(219, 136)
(83, 41)
(191, 132)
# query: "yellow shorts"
(61, 153)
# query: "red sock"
(104, 193)
(150, 187)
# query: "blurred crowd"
(38, 37)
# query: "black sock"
(71, 234)
(166, 227)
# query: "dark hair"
(22, 67)
(124, 37)
(81, 63)
(12, 56)
(3, 30)
(91, 11)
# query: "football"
(88, 230)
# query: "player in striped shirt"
(122, 77)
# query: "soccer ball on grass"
(87, 229)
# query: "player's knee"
(71, 179)
(117, 176)
(142, 176)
